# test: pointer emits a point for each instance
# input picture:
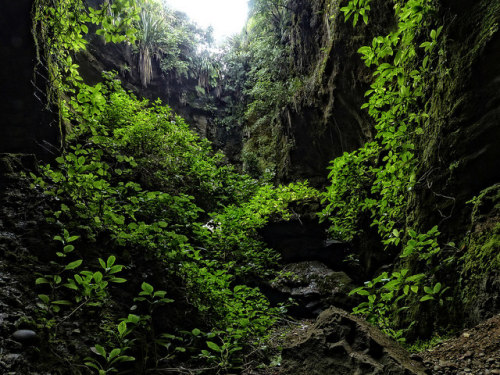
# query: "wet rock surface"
(339, 343)
(314, 287)
(304, 239)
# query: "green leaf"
(62, 302)
(102, 263)
(111, 261)
(196, 332)
(426, 298)
(71, 285)
(122, 327)
(72, 238)
(41, 280)
(118, 280)
(125, 358)
(97, 277)
(92, 364)
(133, 318)
(115, 269)
(148, 288)
(45, 298)
(114, 353)
(213, 346)
(73, 265)
(159, 294)
(437, 288)
(98, 349)
(425, 62)
(68, 249)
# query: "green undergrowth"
(134, 186)
(422, 345)
(134, 173)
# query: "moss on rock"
(480, 273)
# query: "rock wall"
(324, 118)
(25, 126)
(459, 157)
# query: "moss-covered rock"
(458, 160)
(480, 273)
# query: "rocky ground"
(475, 351)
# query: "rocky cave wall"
(324, 118)
(25, 126)
(459, 157)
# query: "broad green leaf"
(111, 261)
(213, 346)
(196, 332)
(68, 248)
(115, 269)
(426, 298)
(437, 288)
(102, 263)
(148, 288)
(122, 327)
(73, 265)
(97, 277)
(114, 353)
(98, 349)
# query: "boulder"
(339, 343)
(314, 287)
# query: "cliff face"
(25, 126)
(460, 154)
(325, 119)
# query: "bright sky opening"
(227, 17)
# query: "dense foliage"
(136, 190)
(258, 82)
(135, 178)
(378, 179)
